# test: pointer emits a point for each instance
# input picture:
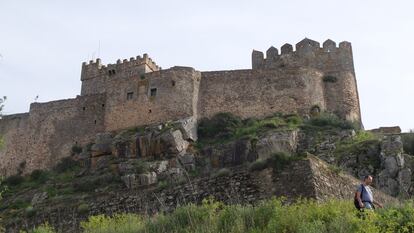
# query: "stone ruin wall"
(290, 82)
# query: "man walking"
(363, 195)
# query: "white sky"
(43, 43)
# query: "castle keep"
(137, 92)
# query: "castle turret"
(94, 75)
(336, 63)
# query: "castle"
(137, 92)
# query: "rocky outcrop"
(277, 141)
(310, 177)
(395, 177)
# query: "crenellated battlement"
(95, 68)
(307, 53)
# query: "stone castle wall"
(156, 97)
(37, 140)
(260, 92)
(137, 92)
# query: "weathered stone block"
(148, 178)
(277, 141)
(103, 145)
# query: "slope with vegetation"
(238, 163)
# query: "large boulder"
(103, 145)
(131, 181)
(188, 127)
(173, 142)
(148, 178)
(395, 176)
(277, 141)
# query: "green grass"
(303, 216)
(329, 120)
(225, 127)
(357, 144)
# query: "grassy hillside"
(269, 216)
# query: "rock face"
(277, 141)
(395, 178)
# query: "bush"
(30, 211)
(66, 164)
(329, 119)
(258, 165)
(220, 126)
(280, 160)
(141, 167)
(408, 142)
(126, 223)
(83, 208)
(222, 172)
(14, 180)
(39, 176)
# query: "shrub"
(220, 126)
(280, 160)
(30, 211)
(39, 176)
(293, 120)
(222, 172)
(126, 223)
(332, 120)
(141, 167)
(44, 228)
(258, 165)
(14, 180)
(408, 142)
(83, 208)
(66, 164)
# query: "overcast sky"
(43, 43)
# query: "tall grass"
(268, 216)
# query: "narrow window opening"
(153, 92)
(111, 72)
(84, 108)
(149, 111)
(103, 105)
(173, 83)
(130, 95)
(95, 122)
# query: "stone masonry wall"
(154, 98)
(257, 93)
(39, 139)
(335, 63)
